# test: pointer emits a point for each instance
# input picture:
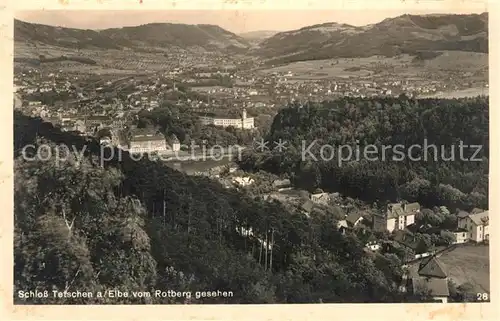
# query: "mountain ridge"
(210, 37)
(392, 36)
(405, 34)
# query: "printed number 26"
(482, 296)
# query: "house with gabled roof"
(342, 226)
(476, 225)
(354, 218)
(397, 217)
(174, 143)
(432, 267)
(372, 243)
(432, 280)
(321, 198)
(282, 183)
(146, 140)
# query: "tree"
(392, 122)
(444, 211)
(423, 243)
(416, 190)
(427, 216)
(465, 292)
(59, 204)
(140, 225)
(447, 238)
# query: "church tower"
(243, 118)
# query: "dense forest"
(82, 223)
(444, 175)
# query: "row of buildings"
(470, 226)
(110, 131)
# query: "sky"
(237, 21)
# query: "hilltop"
(157, 46)
(406, 34)
(154, 35)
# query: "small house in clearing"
(282, 184)
(321, 198)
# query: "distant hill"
(258, 35)
(404, 34)
(208, 37)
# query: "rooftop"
(173, 139)
(480, 218)
(147, 138)
(281, 183)
(462, 214)
(136, 132)
(354, 216)
(395, 210)
(432, 267)
(432, 286)
(321, 195)
(307, 206)
(412, 207)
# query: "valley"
(195, 174)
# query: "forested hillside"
(87, 225)
(445, 176)
(209, 37)
(406, 34)
(184, 123)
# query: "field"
(321, 69)
(464, 61)
(469, 263)
(403, 65)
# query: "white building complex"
(397, 217)
(242, 122)
(475, 226)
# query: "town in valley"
(295, 230)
